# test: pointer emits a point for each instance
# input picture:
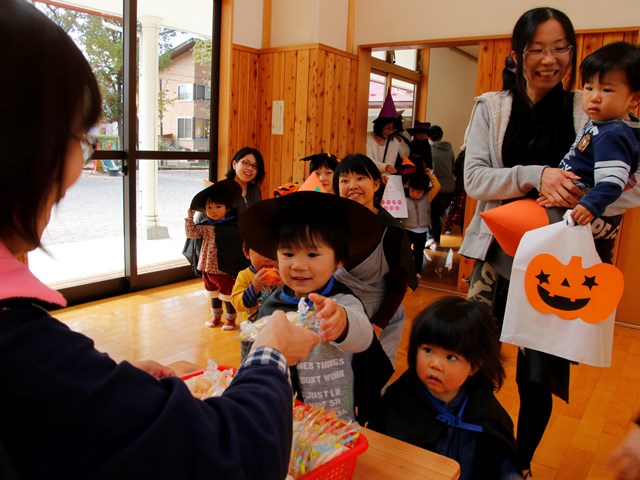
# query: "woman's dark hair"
(358, 163)
(617, 56)
(419, 180)
(523, 33)
(300, 235)
(243, 152)
(60, 100)
(323, 160)
(380, 122)
(464, 327)
(509, 74)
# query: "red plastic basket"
(338, 468)
(341, 467)
(221, 368)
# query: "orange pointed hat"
(312, 184)
(510, 221)
(407, 166)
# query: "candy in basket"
(211, 382)
(324, 445)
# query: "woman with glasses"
(515, 142)
(247, 168)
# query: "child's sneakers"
(214, 321)
(229, 325)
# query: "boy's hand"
(332, 317)
(190, 214)
(581, 215)
(266, 276)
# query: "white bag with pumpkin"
(562, 299)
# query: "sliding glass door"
(121, 226)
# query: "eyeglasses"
(88, 145)
(543, 52)
(248, 164)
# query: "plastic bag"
(562, 299)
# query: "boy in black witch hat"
(311, 234)
(221, 257)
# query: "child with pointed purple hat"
(382, 145)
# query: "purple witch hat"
(388, 107)
(389, 112)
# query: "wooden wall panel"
(244, 116)
(328, 130)
(252, 102)
(235, 100)
(502, 48)
(311, 109)
(486, 68)
(265, 94)
(300, 115)
(318, 85)
(627, 262)
(344, 89)
(351, 109)
(243, 123)
(272, 160)
(284, 164)
(318, 115)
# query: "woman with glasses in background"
(247, 168)
(515, 142)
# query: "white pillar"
(147, 134)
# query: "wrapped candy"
(304, 317)
(211, 383)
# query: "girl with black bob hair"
(66, 409)
(461, 326)
(445, 401)
(380, 275)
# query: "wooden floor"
(167, 324)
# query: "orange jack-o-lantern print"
(572, 291)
